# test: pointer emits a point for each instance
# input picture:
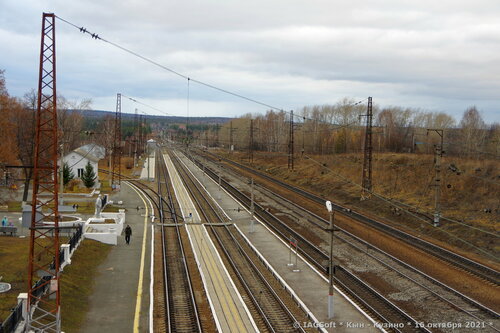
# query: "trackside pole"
(252, 209)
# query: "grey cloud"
(442, 54)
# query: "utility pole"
(231, 131)
(141, 134)
(303, 136)
(290, 143)
(250, 143)
(43, 305)
(136, 135)
(331, 212)
(217, 135)
(117, 145)
(147, 156)
(438, 151)
(230, 137)
(206, 138)
(219, 196)
(366, 184)
(252, 208)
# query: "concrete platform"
(230, 312)
(120, 300)
(308, 284)
(150, 161)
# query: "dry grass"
(84, 207)
(76, 280)
(406, 178)
(14, 269)
(127, 168)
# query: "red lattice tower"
(43, 282)
(117, 147)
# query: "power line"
(97, 37)
(149, 106)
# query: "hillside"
(470, 192)
(154, 118)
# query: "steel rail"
(458, 260)
(406, 265)
(196, 322)
(215, 213)
(359, 290)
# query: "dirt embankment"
(469, 187)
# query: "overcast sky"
(434, 55)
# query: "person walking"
(128, 233)
(5, 221)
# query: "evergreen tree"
(68, 174)
(88, 176)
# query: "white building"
(151, 145)
(78, 159)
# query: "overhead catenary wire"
(97, 37)
(184, 76)
(148, 106)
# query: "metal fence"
(9, 325)
(75, 238)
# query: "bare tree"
(25, 120)
(472, 130)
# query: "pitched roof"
(95, 149)
(86, 155)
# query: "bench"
(9, 229)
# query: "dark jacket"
(128, 231)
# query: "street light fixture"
(331, 212)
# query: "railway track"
(181, 308)
(448, 256)
(178, 311)
(454, 306)
(277, 311)
(388, 314)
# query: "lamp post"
(330, 270)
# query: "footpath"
(119, 303)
